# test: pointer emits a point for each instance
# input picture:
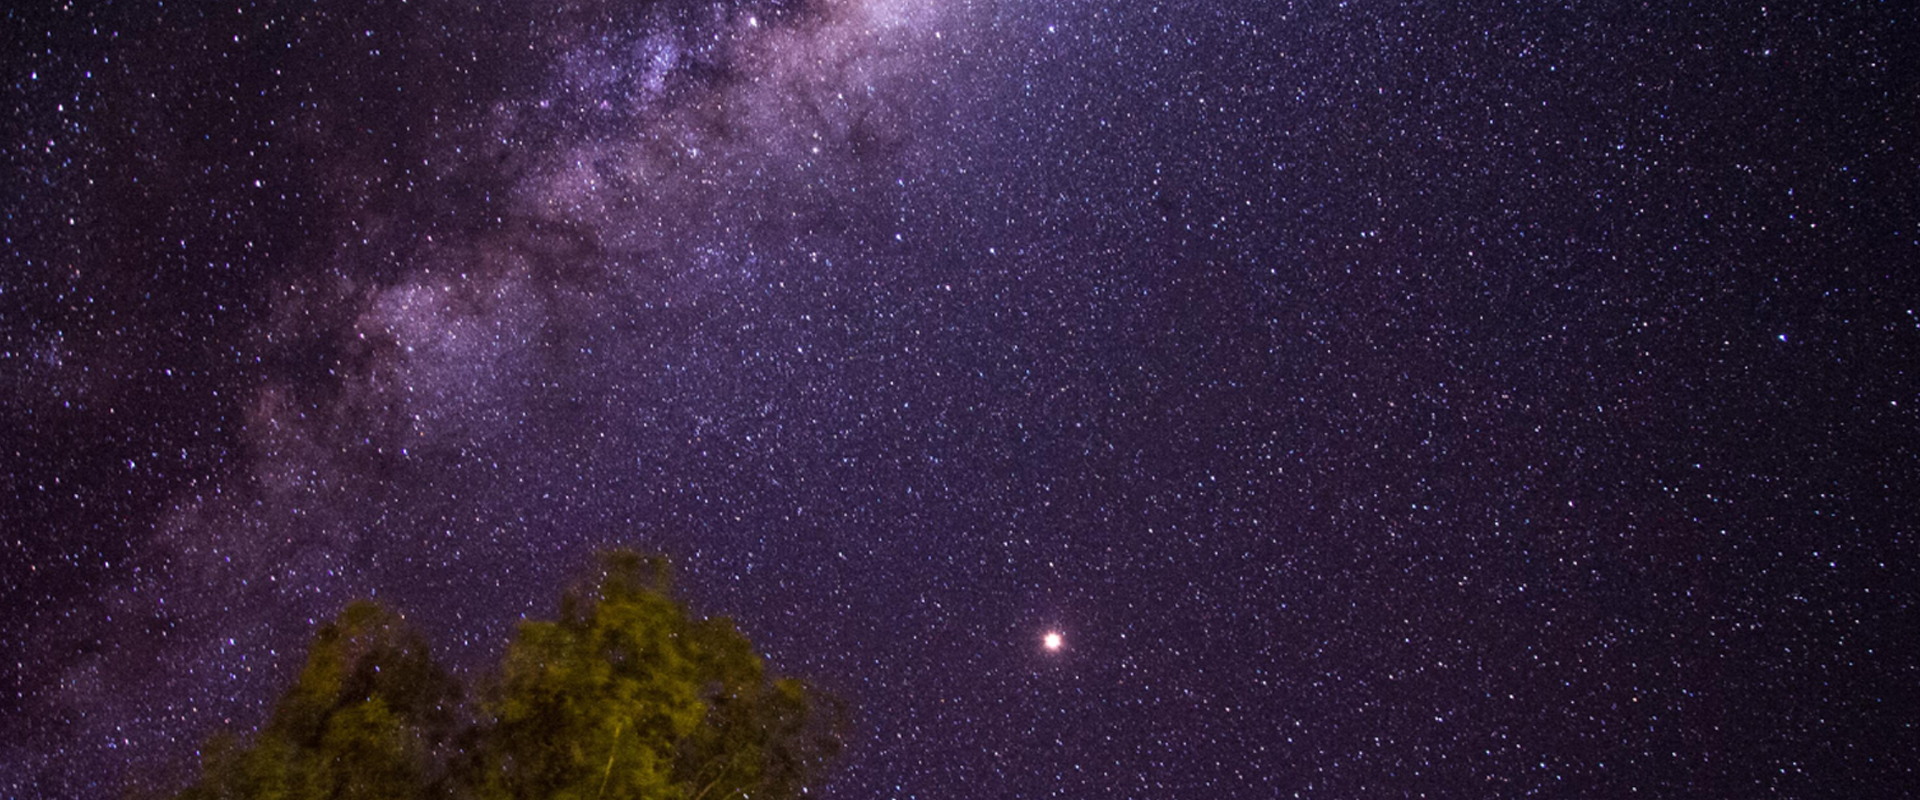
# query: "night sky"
(1379, 399)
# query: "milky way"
(1378, 400)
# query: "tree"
(626, 695)
(363, 720)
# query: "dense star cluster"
(1212, 398)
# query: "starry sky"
(1379, 399)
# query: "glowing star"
(1052, 640)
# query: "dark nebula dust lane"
(1374, 400)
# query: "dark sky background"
(1384, 399)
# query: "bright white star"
(1052, 640)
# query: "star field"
(1375, 400)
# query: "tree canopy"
(626, 695)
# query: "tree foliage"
(364, 719)
(625, 695)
